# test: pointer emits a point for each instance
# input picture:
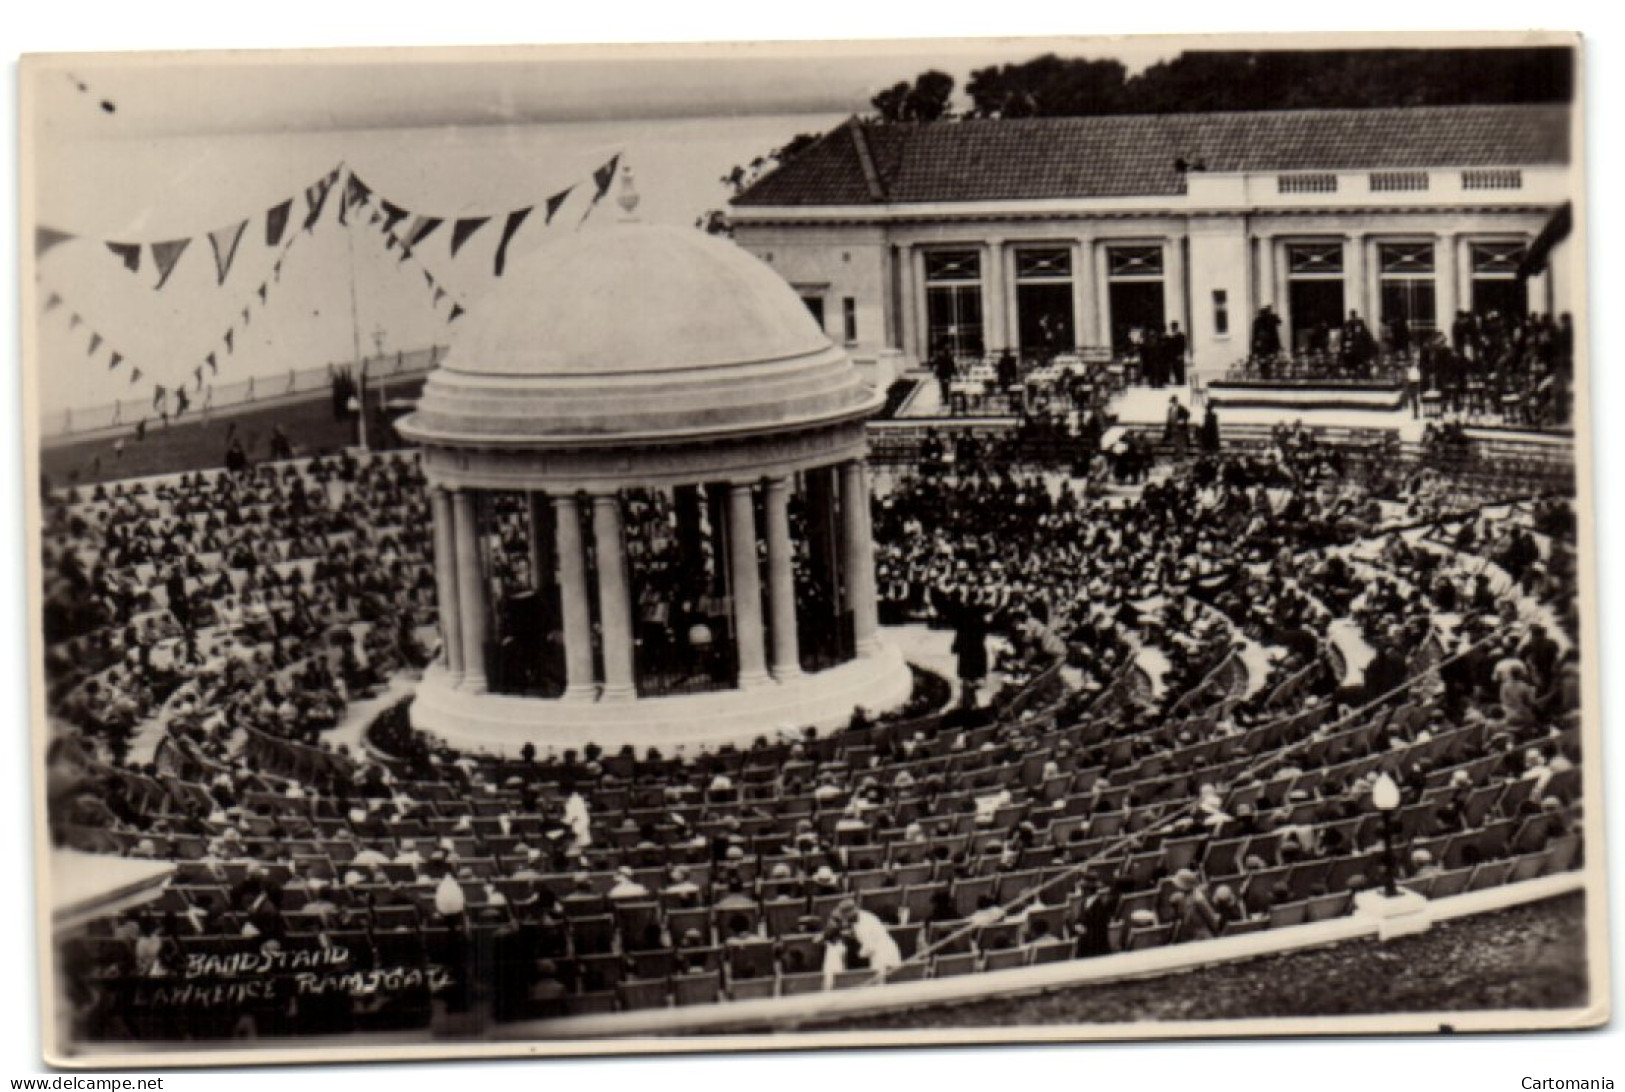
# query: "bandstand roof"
(634, 331)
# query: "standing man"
(1174, 349)
(970, 648)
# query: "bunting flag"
(439, 294)
(556, 202)
(389, 243)
(342, 204)
(515, 218)
(197, 373)
(214, 365)
(52, 302)
(422, 227)
(602, 178)
(129, 254)
(456, 312)
(276, 270)
(158, 395)
(428, 278)
(315, 198)
(165, 256)
(46, 238)
(95, 343)
(181, 401)
(245, 316)
(262, 292)
(356, 192)
(377, 216)
(276, 222)
(393, 214)
(135, 376)
(74, 321)
(463, 229)
(225, 242)
(229, 346)
(112, 365)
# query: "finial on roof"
(628, 197)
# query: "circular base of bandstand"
(501, 724)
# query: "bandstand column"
(859, 556)
(541, 534)
(614, 599)
(574, 609)
(445, 580)
(470, 591)
(747, 586)
(781, 587)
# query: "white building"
(1071, 232)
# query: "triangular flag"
(198, 372)
(462, 229)
(392, 215)
(95, 343)
(356, 192)
(181, 401)
(165, 255)
(225, 242)
(245, 316)
(315, 198)
(602, 178)
(135, 376)
(428, 278)
(214, 365)
(389, 243)
(276, 270)
(557, 201)
(276, 222)
(515, 218)
(118, 358)
(342, 205)
(456, 312)
(53, 301)
(74, 321)
(158, 394)
(439, 294)
(45, 238)
(421, 229)
(128, 253)
(377, 216)
(262, 291)
(229, 346)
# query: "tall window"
(1044, 323)
(1221, 313)
(953, 301)
(849, 319)
(1406, 271)
(1496, 285)
(1134, 290)
(1314, 292)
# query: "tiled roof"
(992, 160)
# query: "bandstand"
(650, 504)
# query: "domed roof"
(636, 331)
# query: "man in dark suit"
(1174, 348)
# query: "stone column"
(471, 590)
(1445, 299)
(574, 609)
(1175, 296)
(541, 536)
(1103, 293)
(903, 301)
(781, 585)
(445, 581)
(1264, 274)
(747, 586)
(614, 599)
(859, 559)
(1085, 330)
(995, 334)
(1355, 279)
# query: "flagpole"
(355, 331)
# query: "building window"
(849, 319)
(953, 301)
(1221, 313)
(1406, 271)
(1314, 293)
(1306, 183)
(815, 304)
(1134, 292)
(1044, 318)
(1398, 181)
(1492, 180)
(1497, 288)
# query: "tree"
(928, 98)
(742, 178)
(1047, 86)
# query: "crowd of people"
(1202, 676)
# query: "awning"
(86, 886)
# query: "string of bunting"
(402, 229)
(226, 244)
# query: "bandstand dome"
(647, 476)
(637, 331)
